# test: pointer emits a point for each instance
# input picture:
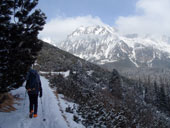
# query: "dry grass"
(7, 101)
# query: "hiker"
(33, 86)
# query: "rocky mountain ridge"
(105, 46)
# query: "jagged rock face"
(104, 45)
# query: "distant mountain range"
(103, 45)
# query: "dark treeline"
(154, 85)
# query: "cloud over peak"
(57, 29)
(152, 17)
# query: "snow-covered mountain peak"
(104, 44)
(93, 30)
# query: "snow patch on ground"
(90, 72)
(106, 61)
(64, 104)
(65, 74)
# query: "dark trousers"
(33, 102)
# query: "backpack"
(33, 82)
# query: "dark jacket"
(33, 83)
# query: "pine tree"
(162, 98)
(115, 84)
(19, 44)
(156, 93)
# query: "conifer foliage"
(20, 24)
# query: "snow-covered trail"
(52, 114)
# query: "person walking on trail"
(33, 87)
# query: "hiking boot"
(31, 113)
(35, 115)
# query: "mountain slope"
(104, 99)
(54, 59)
(105, 46)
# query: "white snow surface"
(90, 72)
(54, 111)
(64, 74)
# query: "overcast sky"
(128, 16)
